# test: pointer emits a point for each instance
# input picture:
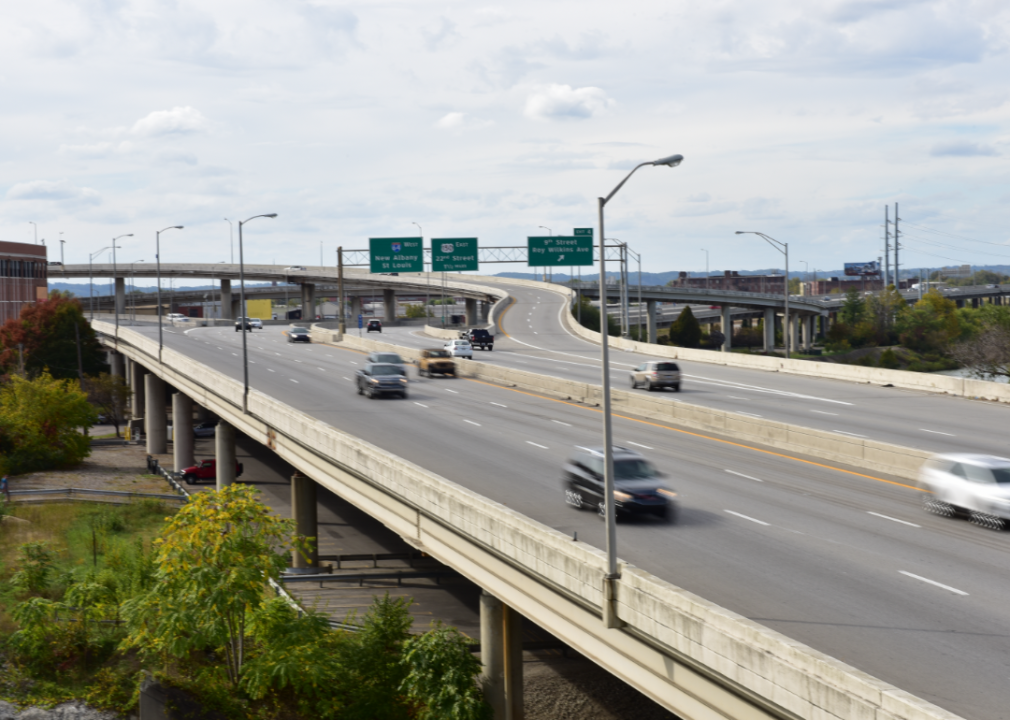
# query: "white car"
(294, 268)
(974, 485)
(460, 348)
(256, 323)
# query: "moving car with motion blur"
(299, 334)
(378, 379)
(434, 361)
(479, 338)
(638, 485)
(972, 486)
(459, 348)
(656, 374)
(244, 323)
(374, 326)
(391, 358)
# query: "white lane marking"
(937, 432)
(298, 361)
(499, 405)
(329, 356)
(822, 412)
(738, 398)
(738, 412)
(734, 472)
(271, 370)
(472, 422)
(319, 368)
(452, 391)
(252, 362)
(888, 517)
(534, 332)
(638, 445)
(235, 354)
(842, 432)
(352, 362)
(530, 442)
(292, 380)
(561, 423)
(745, 517)
(220, 348)
(172, 331)
(934, 582)
(416, 403)
(702, 380)
(276, 353)
(346, 378)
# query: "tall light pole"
(706, 267)
(609, 614)
(115, 299)
(551, 233)
(231, 239)
(157, 259)
(784, 249)
(133, 288)
(241, 281)
(806, 273)
(91, 279)
(62, 243)
(427, 287)
(36, 231)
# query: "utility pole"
(897, 245)
(887, 245)
(80, 362)
(340, 289)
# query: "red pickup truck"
(205, 470)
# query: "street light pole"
(133, 288)
(806, 273)
(62, 243)
(784, 249)
(427, 287)
(706, 267)
(551, 233)
(231, 239)
(157, 259)
(115, 298)
(241, 280)
(342, 324)
(609, 614)
(36, 231)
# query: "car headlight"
(373, 380)
(621, 496)
(403, 380)
(667, 493)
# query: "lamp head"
(672, 161)
(177, 227)
(742, 232)
(271, 215)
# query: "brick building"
(733, 280)
(23, 277)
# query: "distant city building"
(733, 280)
(23, 277)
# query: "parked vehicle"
(374, 326)
(378, 379)
(299, 334)
(459, 348)
(434, 361)
(205, 470)
(478, 337)
(976, 486)
(656, 374)
(638, 488)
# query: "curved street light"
(784, 249)
(133, 288)
(427, 287)
(115, 296)
(241, 279)
(610, 618)
(551, 233)
(157, 259)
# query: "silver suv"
(974, 485)
(656, 374)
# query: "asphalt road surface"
(839, 558)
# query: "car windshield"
(1002, 475)
(636, 468)
(385, 370)
(438, 354)
(666, 367)
(388, 358)
(296, 331)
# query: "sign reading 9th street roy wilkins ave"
(396, 254)
(558, 251)
(454, 255)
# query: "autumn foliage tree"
(45, 334)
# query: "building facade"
(23, 277)
(733, 280)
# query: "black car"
(374, 325)
(638, 489)
(377, 379)
(299, 334)
(243, 324)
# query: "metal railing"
(70, 492)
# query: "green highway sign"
(453, 254)
(582, 231)
(396, 254)
(559, 251)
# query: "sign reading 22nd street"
(396, 254)
(454, 254)
(559, 251)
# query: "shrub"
(889, 360)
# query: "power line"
(951, 247)
(958, 237)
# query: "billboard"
(259, 308)
(863, 268)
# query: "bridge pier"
(485, 311)
(650, 309)
(224, 454)
(492, 654)
(182, 431)
(769, 328)
(227, 310)
(137, 372)
(727, 328)
(120, 297)
(304, 513)
(116, 363)
(794, 334)
(471, 312)
(355, 303)
(513, 622)
(156, 419)
(308, 302)
(389, 306)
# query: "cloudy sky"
(350, 120)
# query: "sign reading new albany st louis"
(454, 254)
(396, 254)
(558, 251)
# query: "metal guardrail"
(155, 468)
(375, 558)
(399, 576)
(71, 491)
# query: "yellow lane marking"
(704, 437)
(501, 317)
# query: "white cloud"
(177, 121)
(962, 148)
(59, 191)
(563, 102)
(458, 121)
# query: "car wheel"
(649, 386)
(404, 394)
(676, 387)
(189, 478)
(360, 391)
(490, 348)
(601, 509)
(633, 383)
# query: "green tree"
(40, 424)
(417, 311)
(590, 315)
(441, 676)
(45, 332)
(685, 331)
(110, 394)
(853, 309)
(931, 325)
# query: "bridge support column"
(117, 362)
(308, 302)
(355, 303)
(808, 332)
(303, 512)
(769, 326)
(182, 431)
(227, 311)
(492, 654)
(471, 312)
(513, 623)
(727, 328)
(650, 309)
(224, 454)
(389, 306)
(120, 298)
(485, 311)
(794, 333)
(156, 419)
(137, 372)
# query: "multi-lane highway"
(837, 558)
